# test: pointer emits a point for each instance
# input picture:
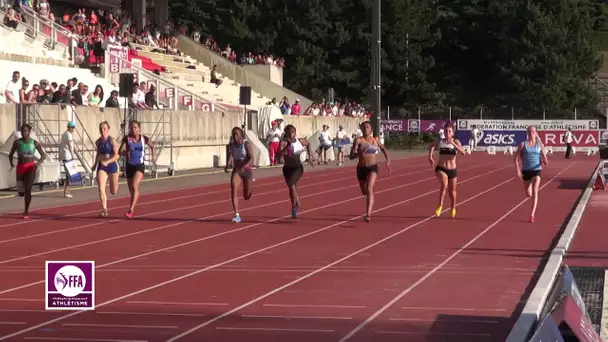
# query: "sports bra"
(296, 148)
(105, 146)
(446, 148)
(26, 150)
(369, 148)
(238, 151)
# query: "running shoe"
(366, 218)
(438, 211)
(129, 214)
(453, 212)
(531, 219)
(236, 218)
(294, 211)
(103, 213)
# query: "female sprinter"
(291, 148)
(107, 166)
(365, 148)
(532, 154)
(26, 148)
(445, 170)
(133, 147)
(240, 153)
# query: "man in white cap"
(66, 154)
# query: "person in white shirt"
(325, 144)
(274, 137)
(66, 154)
(340, 141)
(12, 88)
(441, 133)
(568, 139)
(475, 135)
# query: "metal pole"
(376, 67)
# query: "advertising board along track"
(522, 125)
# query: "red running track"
(184, 272)
(588, 247)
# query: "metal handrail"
(160, 80)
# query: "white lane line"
(443, 263)
(395, 332)
(431, 308)
(78, 339)
(120, 326)
(241, 229)
(276, 329)
(177, 303)
(314, 306)
(321, 269)
(134, 313)
(338, 318)
(285, 242)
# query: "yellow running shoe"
(438, 211)
(453, 212)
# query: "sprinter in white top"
(239, 154)
(476, 135)
(568, 139)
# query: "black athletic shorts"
(527, 175)
(292, 174)
(131, 169)
(364, 171)
(451, 173)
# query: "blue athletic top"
(136, 150)
(531, 156)
(238, 151)
(105, 146)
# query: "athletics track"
(182, 271)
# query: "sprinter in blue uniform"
(239, 153)
(445, 169)
(106, 164)
(532, 155)
(133, 147)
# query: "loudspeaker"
(245, 96)
(125, 86)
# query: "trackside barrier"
(546, 297)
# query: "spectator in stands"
(151, 98)
(11, 91)
(11, 19)
(77, 95)
(112, 101)
(296, 108)
(94, 99)
(325, 143)
(43, 8)
(59, 94)
(138, 99)
(284, 106)
(214, 78)
(25, 84)
(274, 137)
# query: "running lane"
(335, 238)
(136, 238)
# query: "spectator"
(296, 108)
(11, 19)
(274, 137)
(59, 95)
(214, 78)
(66, 154)
(112, 101)
(25, 84)
(138, 99)
(284, 106)
(12, 89)
(325, 144)
(151, 98)
(95, 98)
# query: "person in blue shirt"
(533, 156)
(133, 147)
(106, 158)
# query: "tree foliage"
(466, 53)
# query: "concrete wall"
(237, 73)
(198, 138)
(270, 72)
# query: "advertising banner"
(414, 125)
(498, 138)
(522, 125)
(581, 138)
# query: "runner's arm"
(249, 154)
(41, 151)
(150, 144)
(432, 148)
(543, 155)
(116, 156)
(384, 151)
(517, 156)
(283, 147)
(123, 147)
(354, 151)
(11, 154)
(458, 146)
(228, 158)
